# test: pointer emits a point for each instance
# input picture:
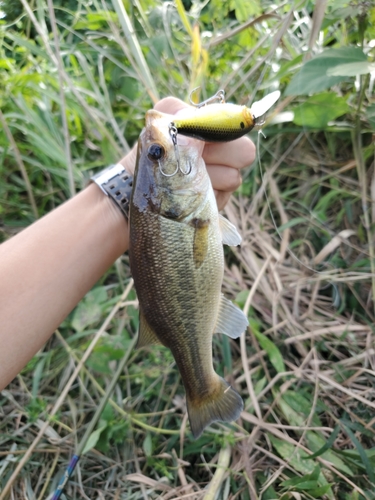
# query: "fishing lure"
(221, 121)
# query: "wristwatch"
(116, 183)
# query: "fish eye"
(155, 152)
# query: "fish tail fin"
(224, 404)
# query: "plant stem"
(60, 69)
(20, 163)
(361, 169)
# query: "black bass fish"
(177, 262)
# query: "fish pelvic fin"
(224, 404)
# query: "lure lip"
(260, 108)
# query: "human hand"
(224, 160)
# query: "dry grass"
(329, 361)
(304, 274)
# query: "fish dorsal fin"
(229, 233)
(146, 335)
(231, 320)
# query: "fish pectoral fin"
(230, 320)
(146, 335)
(224, 404)
(229, 234)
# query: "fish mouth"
(157, 128)
(153, 115)
(176, 157)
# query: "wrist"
(111, 222)
(117, 183)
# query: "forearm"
(47, 268)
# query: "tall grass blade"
(136, 50)
(366, 462)
(20, 164)
(68, 156)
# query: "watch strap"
(116, 183)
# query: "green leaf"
(87, 313)
(291, 223)
(108, 414)
(89, 310)
(98, 294)
(313, 76)
(306, 482)
(320, 491)
(314, 440)
(93, 439)
(7, 63)
(292, 455)
(245, 9)
(320, 109)
(272, 350)
(147, 445)
(301, 403)
(370, 115)
(362, 453)
(327, 445)
(37, 376)
(241, 298)
(352, 69)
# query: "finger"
(224, 179)
(170, 105)
(221, 199)
(238, 154)
(128, 162)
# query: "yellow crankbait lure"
(222, 122)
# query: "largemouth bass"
(176, 258)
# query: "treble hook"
(188, 171)
(219, 96)
(173, 133)
(163, 173)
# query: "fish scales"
(178, 289)
(177, 262)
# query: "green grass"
(305, 210)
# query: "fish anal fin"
(223, 404)
(230, 320)
(146, 335)
(229, 234)
(200, 245)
